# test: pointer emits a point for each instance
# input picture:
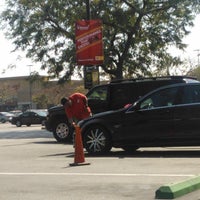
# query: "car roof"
(187, 79)
(153, 79)
(171, 86)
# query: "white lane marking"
(92, 174)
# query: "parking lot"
(35, 166)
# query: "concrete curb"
(174, 190)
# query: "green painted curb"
(174, 190)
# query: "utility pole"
(198, 54)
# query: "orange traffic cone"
(79, 157)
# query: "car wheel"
(62, 131)
(18, 123)
(3, 121)
(97, 140)
(28, 124)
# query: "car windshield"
(98, 93)
(41, 113)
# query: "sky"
(193, 42)
(24, 66)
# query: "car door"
(152, 119)
(35, 118)
(187, 116)
(25, 118)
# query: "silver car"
(5, 117)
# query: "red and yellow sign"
(89, 44)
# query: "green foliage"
(41, 101)
(195, 72)
(137, 33)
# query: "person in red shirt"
(76, 107)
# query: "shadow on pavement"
(174, 152)
(166, 153)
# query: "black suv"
(111, 96)
(167, 116)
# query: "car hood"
(56, 108)
(108, 113)
(108, 116)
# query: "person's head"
(65, 101)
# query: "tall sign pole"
(88, 9)
(89, 47)
(88, 82)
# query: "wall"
(17, 92)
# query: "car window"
(32, 114)
(161, 98)
(98, 93)
(123, 94)
(41, 113)
(191, 94)
(25, 114)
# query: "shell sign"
(89, 44)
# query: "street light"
(30, 87)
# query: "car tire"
(97, 140)
(18, 123)
(3, 121)
(62, 132)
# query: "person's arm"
(85, 101)
(87, 108)
(70, 120)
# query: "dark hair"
(64, 100)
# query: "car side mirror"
(137, 106)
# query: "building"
(24, 92)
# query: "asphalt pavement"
(34, 166)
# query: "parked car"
(16, 112)
(5, 117)
(29, 117)
(111, 96)
(168, 116)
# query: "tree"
(137, 33)
(41, 101)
